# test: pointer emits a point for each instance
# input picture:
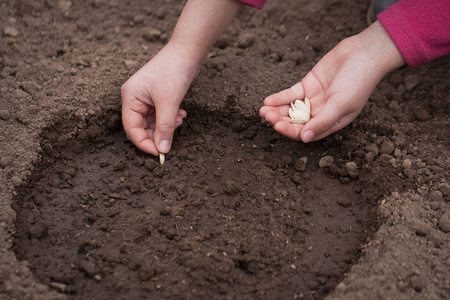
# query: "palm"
(333, 88)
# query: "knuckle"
(166, 127)
(124, 88)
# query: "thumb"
(166, 114)
(328, 121)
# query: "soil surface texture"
(237, 211)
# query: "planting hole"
(231, 214)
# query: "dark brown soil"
(234, 219)
(237, 211)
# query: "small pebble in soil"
(407, 164)
(300, 164)
(372, 148)
(10, 31)
(5, 114)
(352, 169)
(16, 181)
(231, 187)
(369, 157)
(444, 222)
(387, 147)
(152, 35)
(436, 196)
(325, 161)
(130, 64)
(444, 188)
(420, 228)
(246, 40)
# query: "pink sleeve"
(259, 4)
(419, 28)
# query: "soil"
(237, 211)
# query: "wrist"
(185, 56)
(200, 25)
(193, 53)
(380, 49)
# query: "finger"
(281, 110)
(142, 140)
(310, 136)
(286, 96)
(133, 126)
(330, 119)
(166, 115)
(282, 125)
(179, 120)
(182, 113)
(150, 133)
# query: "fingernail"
(164, 146)
(308, 136)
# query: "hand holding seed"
(151, 101)
(338, 86)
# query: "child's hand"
(338, 86)
(151, 100)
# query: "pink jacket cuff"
(259, 4)
(419, 28)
